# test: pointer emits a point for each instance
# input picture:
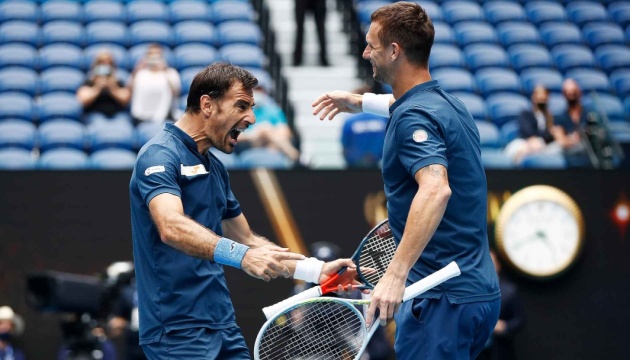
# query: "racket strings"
(378, 251)
(322, 329)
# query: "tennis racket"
(328, 328)
(375, 252)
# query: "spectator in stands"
(567, 129)
(154, 88)
(318, 8)
(535, 127)
(362, 138)
(11, 325)
(102, 93)
(500, 346)
(271, 129)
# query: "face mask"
(102, 70)
(6, 337)
(572, 102)
(542, 106)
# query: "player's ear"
(206, 104)
(395, 51)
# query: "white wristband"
(308, 270)
(376, 104)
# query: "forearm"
(86, 95)
(121, 94)
(188, 236)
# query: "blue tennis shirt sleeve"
(157, 173)
(233, 208)
(420, 140)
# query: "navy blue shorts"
(199, 344)
(436, 329)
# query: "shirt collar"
(180, 134)
(411, 92)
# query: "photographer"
(154, 87)
(102, 93)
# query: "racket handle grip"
(311, 293)
(449, 271)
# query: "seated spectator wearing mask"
(102, 93)
(154, 88)
(569, 126)
(535, 126)
(11, 325)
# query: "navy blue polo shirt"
(177, 291)
(428, 126)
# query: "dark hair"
(215, 80)
(408, 25)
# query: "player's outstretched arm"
(332, 103)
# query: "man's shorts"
(199, 344)
(436, 329)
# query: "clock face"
(540, 231)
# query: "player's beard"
(379, 74)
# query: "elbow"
(445, 194)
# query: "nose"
(366, 52)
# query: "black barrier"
(78, 222)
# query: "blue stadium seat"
(194, 55)
(365, 9)
(61, 133)
(474, 103)
(19, 79)
(61, 55)
(581, 12)
(488, 135)
(16, 105)
(509, 131)
(500, 11)
(63, 32)
(231, 32)
(432, 9)
(19, 10)
(495, 80)
(137, 52)
(53, 10)
(590, 80)
(557, 33)
(613, 57)
(243, 55)
(263, 158)
(568, 57)
(456, 11)
(443, 55)
(195, 32)
(511, 33)
(621, 81)
(454, 79)
(495, 159)
(230, 161)
(61, 79)
(264, 79)
(63, 159)
(151, 32)
(544, 161)
(443, 33)
(226, 10)
(17, 133)
(59, 104)
(187, 10)
(118, 52)
(471, 32)
(112, 134)
(620, 12)
(105, 10)
(485, 55)
(549, 78)
(605, 103)
(18, 55)
(16, 159)
(113, 159)
(542, 11)
(143, 10)
(146, 130)
(597, 34)
(525, 56)
(504, 107)
(107, 32)
(557, 103)
(20, 32)
(187, 75)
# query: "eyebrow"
(243, 102)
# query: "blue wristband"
(228, 252)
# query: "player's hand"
(265, 262)
(387, 297)
(332, 103)
(348, 277)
